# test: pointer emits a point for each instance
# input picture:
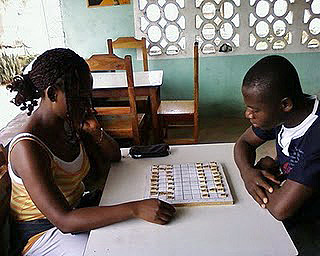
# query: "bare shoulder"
(28, 157)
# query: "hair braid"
(59, 63)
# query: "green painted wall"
(220, 77)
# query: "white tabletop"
(240, 229)
(110, 80)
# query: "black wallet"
(157, 150)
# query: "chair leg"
(164, 128)
(145, 133)
(161, 128)
(196, 129)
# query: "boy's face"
(261, 112)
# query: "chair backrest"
(133, 43)
(196, 76)
(5, 187)
(196, 90)
(111, 62)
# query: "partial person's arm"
(101, 150)
(255, 179)
(288, 198)
(282, 201)
(93, 133)
(32, 163)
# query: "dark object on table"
(157, 150)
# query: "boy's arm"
(254, 179)
(285, 200)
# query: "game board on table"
(187, 184)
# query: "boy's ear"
(286, 104)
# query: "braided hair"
(47, 69)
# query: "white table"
(240, 229)
(114, 80)
(146, 83)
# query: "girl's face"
(80, 101)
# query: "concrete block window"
(228, 27)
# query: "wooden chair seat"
(120, 126)
(176, 107)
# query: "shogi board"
(189, 184)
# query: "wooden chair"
(131, 43)
(182, 113)
(143, 102)
(119, 121)
(5, 193)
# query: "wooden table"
(146, 83)
(240, 229)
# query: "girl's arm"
(32, 164)
(94, 135)
(101, 150)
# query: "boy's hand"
(256, 185)
(154, 210)
(270, 165)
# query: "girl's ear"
(286, 104)
(52, 93)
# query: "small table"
(240, 229)
(146, 83)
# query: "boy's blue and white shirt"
(298, 148)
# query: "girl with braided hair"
(51, 156)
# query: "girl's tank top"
(68, 177)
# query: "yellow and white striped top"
(68, 177)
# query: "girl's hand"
(91, 124)
(154, 210)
